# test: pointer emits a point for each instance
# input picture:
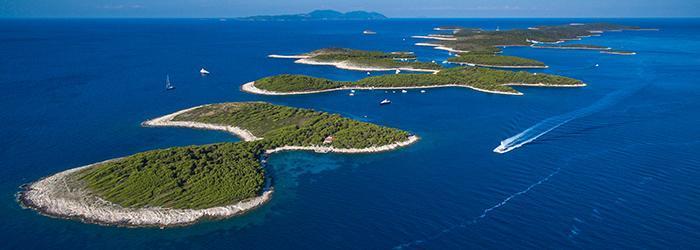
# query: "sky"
(391, 8)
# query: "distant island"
(478, 47)
(363, 60)
(480, 79)
(182, 185)
(319, 15)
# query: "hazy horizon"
(390, 8)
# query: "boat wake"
(549, 124)
(485, 213)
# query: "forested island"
(318, 15)
(572, 46)
(481, 79)
(619, 52)
(363, 60)
(484, 45)
(181, 185)
(495, 61)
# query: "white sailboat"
(385, 102)
(203, 71)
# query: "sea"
(614, 164)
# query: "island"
(480, 79)
(571, 46)
(317, 15)
(182, 185)
(363, 60)
(496, 61)
(619, 52)
(466, 40)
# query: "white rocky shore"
(330, 149)
(501, 66)
(436, 37)
(441, 47)
(288, 56)
(167, 121)
(349, 66)
(250, 88)
(59, 195)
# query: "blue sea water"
(621, 172)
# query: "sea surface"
(615, 164)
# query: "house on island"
(328, 140)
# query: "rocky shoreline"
(250, 88)
(61, 196)
(349, 66)
(167, 121)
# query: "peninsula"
(318, 15)
(481, 79)
(363, 60)
(182, 185)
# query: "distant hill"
(319, 15)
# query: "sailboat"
(168, 85)
(203, 71)
(385, 102)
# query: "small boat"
(352, 91)
(404, 91)
(203, 71)
(398, 71)
(597, 65)
(369, 32)
(385, 102)
(422, 91)
(168, 85)
(368, 73)
(351, 94)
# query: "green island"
(619, 52)
(364, 60)
(571, 46)
(491, 60)
(181, 185)
(482, 79)
(487, 42)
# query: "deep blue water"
(622, 175)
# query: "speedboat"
(168, 85)
(369, 32)
(404, 91)
(385, 102)
(203, 71)
(422, 91)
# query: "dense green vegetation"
(495, 60)
(292, 83)
(184, 177)
(370, 58)
(482, 78)
(572, 46)
(225, 173)
(482, 41)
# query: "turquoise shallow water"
(620, 173)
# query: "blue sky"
(391, 8)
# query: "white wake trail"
(549, 124)
(483, 214)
